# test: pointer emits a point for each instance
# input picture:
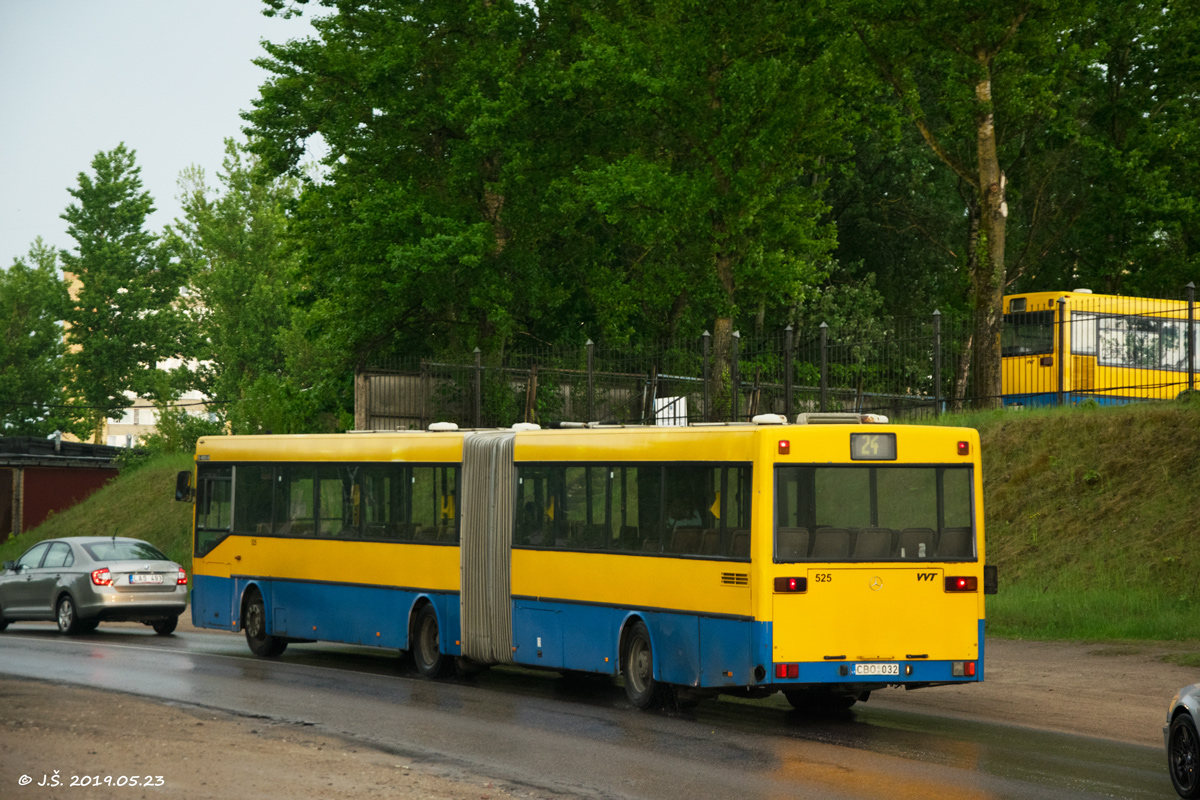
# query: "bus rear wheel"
(638, 667)
(254, 622)
(426, 645)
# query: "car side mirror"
(183, 487)
(10, 565)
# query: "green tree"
(32, 301)
(125, 316)
(982, 85)
(423, 233)
(1135, 174)
(234, 243)
(723, 115)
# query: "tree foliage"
(124, 318)
(32, 301)
(233, 241)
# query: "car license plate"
(142, 577)
(876, 669)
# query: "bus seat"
(629, 539)
(831, 543)
(874, 544)
(686, 540)
(710, 543)
(650, 546)
(448, 533)
(741, 544)
(299, 529)
(427, 533)
(263, 529)
(791, 544)
(595, 536)
(911, 539)
(956, 543)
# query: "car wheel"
(638, 667)
(88, 626)
(1183, 755)
(68, 619)
(426, 645)
(165, 627)
(3, 621)
(816, 701)
(254, 621)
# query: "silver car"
(1183, 745)
(82, 581)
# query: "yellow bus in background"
(1066, 347)
(823, 560)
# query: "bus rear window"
(1029, 333)
(873, 513)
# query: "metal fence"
(916, 367)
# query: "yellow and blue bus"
(823, 560)
(1066, 347)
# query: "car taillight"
(102, 577)
(791, 584)
(962, 584)
(182, 580)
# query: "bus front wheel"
(638, 666)
(426, 645)
(254, 621)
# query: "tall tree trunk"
(721, 388)
(988, 276)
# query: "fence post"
(1191, 338)
(937, 363)
(591, 386)
(787, 373)
(705, 339)
(735, 383)
(824, 367)
(1062, 357)
(478, 388)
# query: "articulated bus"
(1109, 348)
(823, 560)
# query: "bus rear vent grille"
(735, 579)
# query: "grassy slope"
(139, 503)
(1089, 518)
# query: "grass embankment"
(138, 503)
(1090, 518)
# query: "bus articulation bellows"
(823, 560)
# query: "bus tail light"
(102, 577)
(791, 584)
(182, 579)
(962, 669)
(785, 447)
(787, 671)
(964, 448)
(962, 583)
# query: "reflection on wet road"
(580, 736)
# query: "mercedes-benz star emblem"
(877, 583)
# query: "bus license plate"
(143, 578)
(876, 669)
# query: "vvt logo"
(926, 576)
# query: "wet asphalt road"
(581, 737)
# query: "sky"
(166, 77)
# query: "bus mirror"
(991, 580)
(183, 486)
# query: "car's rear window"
(124, 551)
